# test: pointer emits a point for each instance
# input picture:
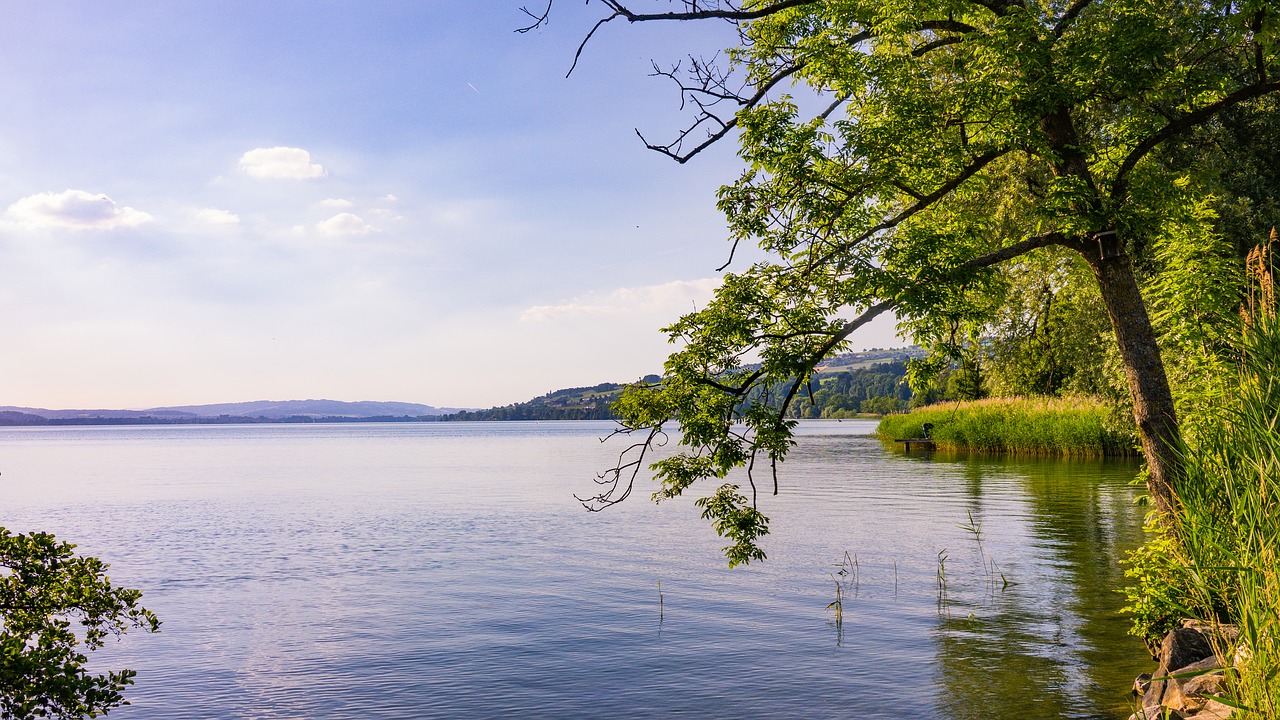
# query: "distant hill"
(578, 403)
(280, 409)
(257, 411)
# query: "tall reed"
(1229, 520)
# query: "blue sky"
(213, 202)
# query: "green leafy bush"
(45, 592)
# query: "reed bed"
(1226, 535)
(1068, 426)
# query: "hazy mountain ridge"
(264, 409)
(279, 409)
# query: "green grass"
(1071, 426)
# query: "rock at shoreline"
(1187, 655)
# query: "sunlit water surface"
(446, 571)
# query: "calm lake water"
(445, 571)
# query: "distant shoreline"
(39, 421)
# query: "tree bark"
(1153, 409)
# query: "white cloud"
(213, 216)
(678, 296)
(336, 203)
(286, 163)
(344, 224)
(389, 197)
(74, 209)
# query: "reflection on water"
(407, 571)
(1049, 642)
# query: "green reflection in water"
(1041, 649)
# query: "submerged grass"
(1069, 426)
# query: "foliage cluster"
(53, 603)
(1049, 336)
(1070, 426)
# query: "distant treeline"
(579, 403)
(529, 411)
(878, 389)
(836, 393)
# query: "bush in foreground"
(46, 591)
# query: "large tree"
(897, 152)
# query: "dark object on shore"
(928, 430)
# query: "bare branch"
(578, 53)
(922, 203)
(707, 14)
(539, 19)
(954, 26)
(673, 149)
(732, 251)
(903, 187)
(1022, 248)
(618, 491)
(738, 391)
(940, 42)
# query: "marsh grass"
(942, 583)
(1069, 426)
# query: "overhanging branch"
(1120, 187)
(922, 203)
(716, 13)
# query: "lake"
(446, 571)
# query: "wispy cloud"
(336, 203)
(344, 224)
(281, 163)
(74, 209)
(676, 297)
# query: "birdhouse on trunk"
(1108, 244)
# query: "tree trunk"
(1153, 409)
